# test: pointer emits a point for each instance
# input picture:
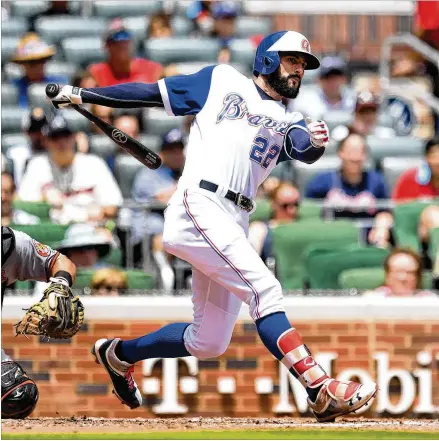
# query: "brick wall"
(70, 383)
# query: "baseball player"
(240, 132)
(58, 314)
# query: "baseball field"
(218, 428)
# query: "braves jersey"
(239, 133)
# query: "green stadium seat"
(309, 209)
(9, 95)
(262, 212)
(153, 142)
(9, 44)
(53, 29)
(126, 8)
(137, 279)
(28, 8)
(158, 122)
(406, 220)
(12, 118)
(44, 232)
(39, 209)
(242, 51)
(83, 278)
(433, 248)
(324, 265)
(102, 146)
(336, 118)
(12, 140)
(14, 27)
(114, 258)
(83, 50)
(125, 170)
(247, 26)
(393, 168)
(179, 49)
(292, 240)
(399, 146)
(24, 285)
(361, 278)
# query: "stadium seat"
(247, 26)
(125, 170)
(37, 96)
(83, 278)
(9, 95)
(324, 265)
(181, 26)
(44, 232)
(179, 49)
(12, 140)
(61, 68)
(83, 50)
(137, 279)
(393, 167)
(433, 247)
(12, 71)
(9, 44)
(76, 121)
(336, 118)
(114, 258)
(7, 165)
(102, 146)
(262, 212)
(39, 209)
(126, 8)
(406, 220)
(28, 8)
(361, 278)
(153, 142)
(292, 240)
(158, 122)
(195, 66)
(53, 29)
(309, 209)
(242, 51)
(12, 117)
(14, 27)
(399, 146)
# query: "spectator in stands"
(102, 112)
(84, 79)
(365, 120)
(159, 26)
(55, 7)
(403, 275)
(109, 282)
(332, 92)
(200, 14)
(352, 191)
(32, 54)
(129, 123)
(32, 126)
(79, 187)
(11, 215)
(420, 182)
(158, 186)
(85, 246)
(285, 203)
(120, 66)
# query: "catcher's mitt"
(57, 315)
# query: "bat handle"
(52, 90)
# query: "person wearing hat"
(32, 54)
(79, 186)
(121, 66)
(85, 246)
(365, 120)
(331, 93)
(32, 126)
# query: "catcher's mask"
(19, 392)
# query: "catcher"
(57, 315)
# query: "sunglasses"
(295, 204)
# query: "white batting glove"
(66, 96)
(318, 131)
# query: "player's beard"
(280, 85)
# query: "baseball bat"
(132, 146)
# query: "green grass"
(234, 434)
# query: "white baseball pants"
(226, 269)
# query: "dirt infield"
(101, 425)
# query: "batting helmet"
(267, 58)
(19, 392)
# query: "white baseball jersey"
(238, 134)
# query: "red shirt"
(143, 71)
(408, 188)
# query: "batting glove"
(66, 96)
(318, 132)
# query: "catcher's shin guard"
(120, 372)
(19, 392)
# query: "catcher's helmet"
(267, 58)
(19, 392)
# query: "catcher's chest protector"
(8, 247)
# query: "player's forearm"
(64, 265)
(128, 95)
(298, 145)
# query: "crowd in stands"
(60, 170)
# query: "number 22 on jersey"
(262, 153)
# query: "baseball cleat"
(120, 372)
(337, 398)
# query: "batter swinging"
(240, 132)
